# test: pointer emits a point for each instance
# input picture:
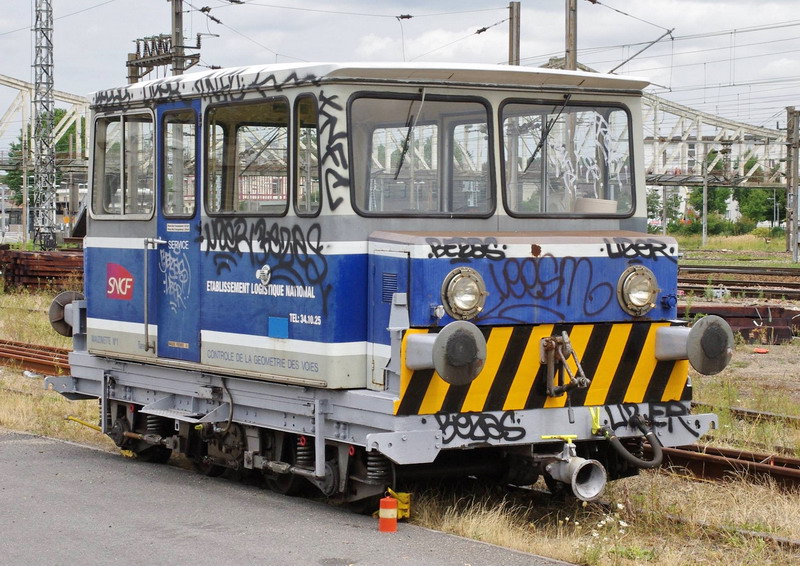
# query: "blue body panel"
(105, 265)
(176, 293)
(542, 290)
(333, 310)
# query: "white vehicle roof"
(279, 76)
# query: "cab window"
(561, 159)
(247, 165)
(124, 166)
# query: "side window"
(307, 187)
(248, 167)
(179, 164)
(124, 166)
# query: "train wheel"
(557, 489)
(208, 468)
(286, 484)
(366, 506)
(154, 454)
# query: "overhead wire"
(601, 48)
(28, 28)
(598, 3)
(476, 32)
(363, 14)
(205, 10)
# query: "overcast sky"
(735, 58)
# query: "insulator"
(379, 468)
(305, 454)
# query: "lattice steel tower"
(44, 180)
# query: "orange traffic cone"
(387, 515)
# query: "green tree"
(717, 200)
(759, 204)
(717, 196)
(655, 204)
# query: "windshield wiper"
(546, 133)
(410, 125)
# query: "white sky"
(735, 58)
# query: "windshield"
(421, 156)
(562, 159)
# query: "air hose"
(638, 422)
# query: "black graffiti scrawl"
(334, 160)
(479, 427)
(294, 254)
(553, 284)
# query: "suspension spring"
(305, 453)
(379, 469)
(154, 424)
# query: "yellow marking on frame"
(609, 362)
(405, 373)
(677, 381)
(526, 372)
(579, 338)
(434, 396)
(495, 350)
(644, 367)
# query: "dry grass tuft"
(26, 406)
(24, 318)
(656, 518)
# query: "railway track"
(743, 270)
(719, 463)
(782, 283)
(752, 415)
(707, 462)
(42, 359)
(748, 289)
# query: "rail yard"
(768, 464)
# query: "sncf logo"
(119, 282)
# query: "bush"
(716, 225)
(768, 232)
(743, 226)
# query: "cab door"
(178, 240)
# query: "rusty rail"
(42, 359)
(33, 270)
(719, 463)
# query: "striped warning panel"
(618, 358)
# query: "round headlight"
(636, 290)
(463, 293)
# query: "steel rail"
(744, 289)
(34, 357)
(746, 270)
(719, 463)
(750, 414)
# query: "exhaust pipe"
(587, 478)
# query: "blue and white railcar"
(342, 273)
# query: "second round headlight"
(636, 290)
(463, 293)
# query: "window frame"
(163, 179)
(206, 128)
(490, 159)
(569, 104)
(294, 155)
(121, 116)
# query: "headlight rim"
(448, 287)
(624, 293)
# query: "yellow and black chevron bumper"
(618, 358)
